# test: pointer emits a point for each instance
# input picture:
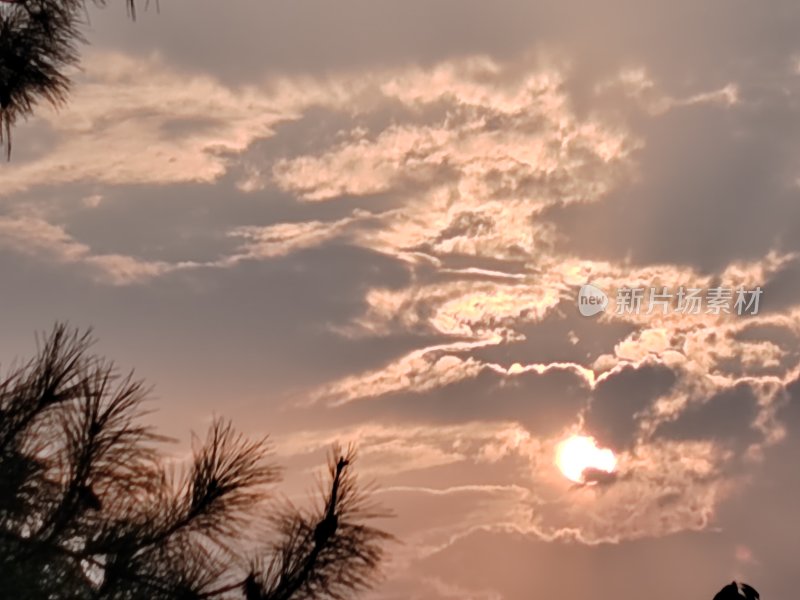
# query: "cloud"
(637, 85)
(261, 242)
(394, 249)
(38, 238)
(419, 371)
(139, 120)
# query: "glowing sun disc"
(578, 453)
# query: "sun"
(578, 453)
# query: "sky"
(370, 221)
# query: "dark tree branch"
(39, 41)
(89, 511)
(329, 552)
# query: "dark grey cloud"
(562, 335)
(542, 403)
(701, 199)
(727, 417)
(263, 326)
(790, 412)
(614, 415)
(681, 41)
(782, 290)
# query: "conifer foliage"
(89, 509)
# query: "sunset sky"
(369, 220)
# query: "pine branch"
(39, 41)
(328, 552)
(88, 511)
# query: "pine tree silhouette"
(39, 41)
(89, 510)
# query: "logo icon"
(591, 300)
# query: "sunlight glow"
(578, 453)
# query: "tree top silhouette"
(90, 510)
(39, 42)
